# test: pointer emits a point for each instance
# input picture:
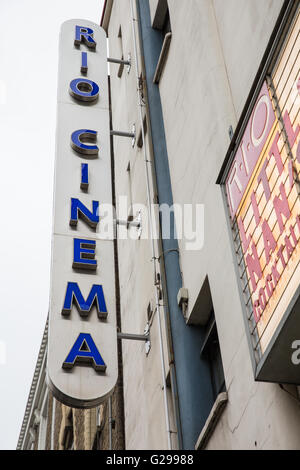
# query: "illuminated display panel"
(262, 191)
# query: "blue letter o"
(83, 89)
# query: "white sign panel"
(82, 344)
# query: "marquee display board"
(262, 195)
(82, 365)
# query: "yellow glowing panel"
(263, 190)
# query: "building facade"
(50, 425)
(218, 295)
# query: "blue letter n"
(79, 209)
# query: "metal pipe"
(154, 258)
(156, 181)
(131, 223)
(109, 424)
(133, 336)
(53, 422)
(118, 61)
(123, 134)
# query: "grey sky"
(29, 32)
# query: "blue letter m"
(95, 297)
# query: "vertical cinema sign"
(82, 345)
(262, 190)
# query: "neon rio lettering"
(276, 257)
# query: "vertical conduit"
(150, 221)
(172, 371)
(53, 422)
(192, 383)
(109, 424)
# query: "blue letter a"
(85, 351)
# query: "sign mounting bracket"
(131, 135)
(121, 62)
(136, 337)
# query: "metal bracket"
(144, 337)
(131, 135)
(137, 222)
(126, 222)
(129, 63)
(119, 61)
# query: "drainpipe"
(173, 387)
(110, 420)
(150, 221)
(192, 374)
(53, 422)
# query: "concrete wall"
(211, 65)
(244, 28)
(153, 8)
(215, 52)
